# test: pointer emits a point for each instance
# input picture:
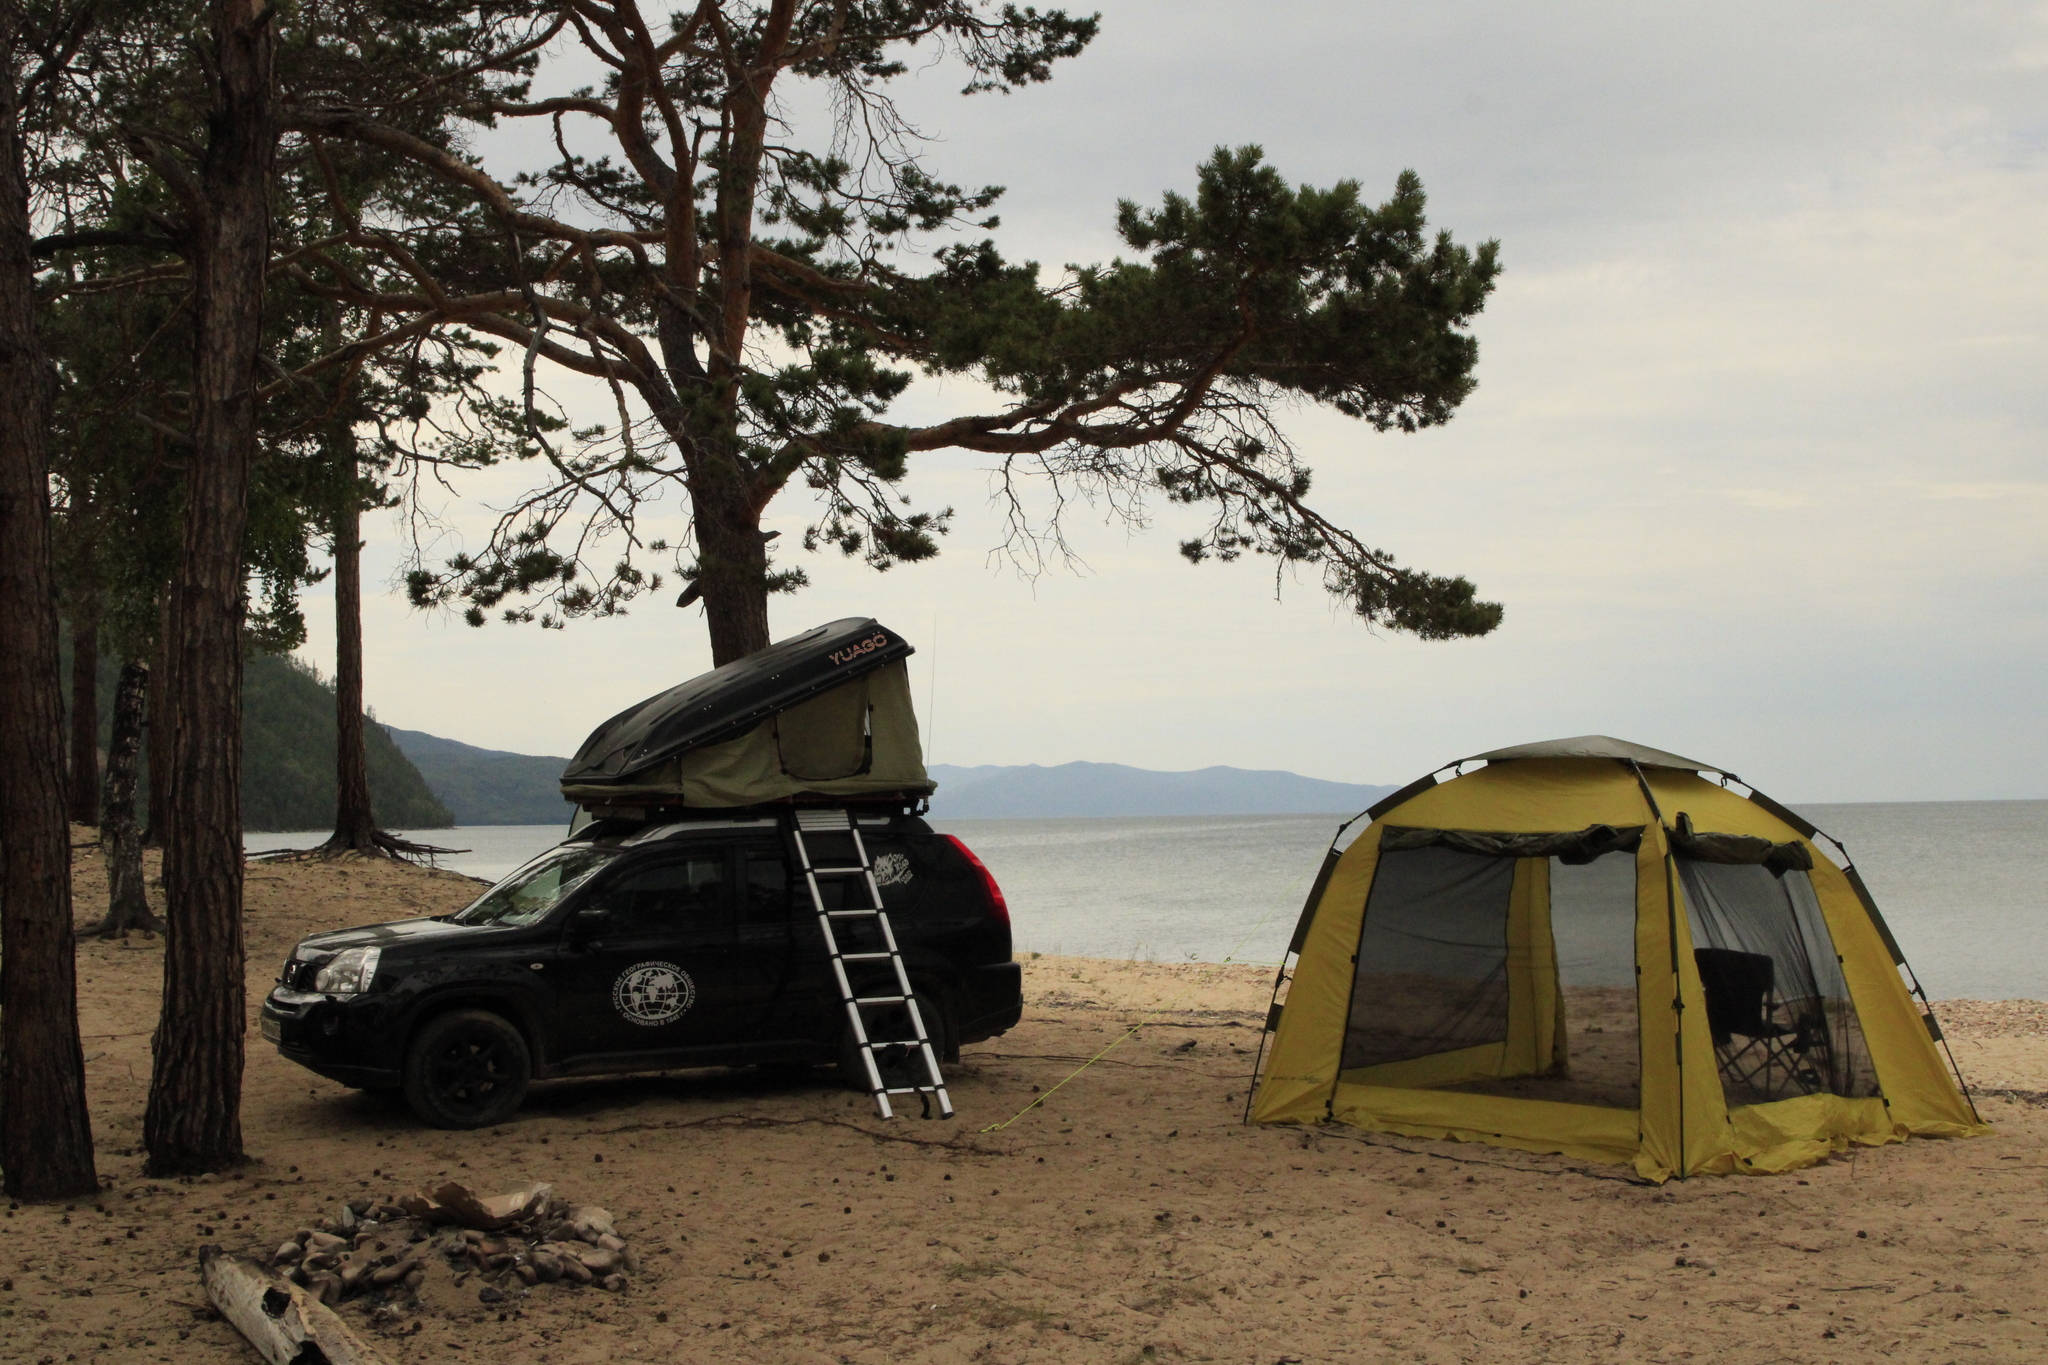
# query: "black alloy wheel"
(466, 1069)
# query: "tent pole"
(1671, 937)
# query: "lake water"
(1960, 882)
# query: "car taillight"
(999, 907)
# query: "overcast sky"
(1756, 462)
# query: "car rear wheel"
(466, 1069)
(898, 1065)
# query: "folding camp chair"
(1760, 1045)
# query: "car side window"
(764, 888)
(670, 895)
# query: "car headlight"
(348, 972)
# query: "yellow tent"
(1587, 947)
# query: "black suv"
(640, 947)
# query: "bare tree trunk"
(45, 1130)
(84, 790)
(732, 565)
(355, 823)
(157, 729)
(194, 1118)
(120, 842)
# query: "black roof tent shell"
(727, 702)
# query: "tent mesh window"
(1432, 957)
(1593, 923)
(1777, 1004)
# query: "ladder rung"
(849, 914)
(881, 1000)
(913, 1090)
(823, 820)
(837, 871)
(865, 957)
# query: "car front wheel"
(466, 1069)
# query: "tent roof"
(1594, 746)
(727, 702)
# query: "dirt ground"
(1129, 1218)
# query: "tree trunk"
(355, 823)
(45, 1131)
(84, 795)
(120, 842)
(732, 563)
(194, 1118)
(157, 729)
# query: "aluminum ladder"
(852, 869)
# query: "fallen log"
(283, 1323)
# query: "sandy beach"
(1130, 1217)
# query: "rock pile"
(506, 1244)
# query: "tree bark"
(120, 842)
(84, 791)
(45, 1131)
(156, 728)
(355, 822)
(194, 1118)
(732, 564)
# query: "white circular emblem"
(653, 993)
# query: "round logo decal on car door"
(653, 993)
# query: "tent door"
(829, 737)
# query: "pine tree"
(745, 290)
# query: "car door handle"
(537, 966)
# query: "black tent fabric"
(727, 702)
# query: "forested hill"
(288, 756)
(488, 786)
(288, 753)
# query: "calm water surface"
(1960, 882)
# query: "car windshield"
(528, 894)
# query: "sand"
(1130, 1218)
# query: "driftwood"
(286, 1325)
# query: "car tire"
(901, 1068)
(466, 1069)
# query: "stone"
(324, 1242)
(576, 1271)
(490, 1293)
(287, 1253)
(610, 1242)
(527, 1274)
(614, 1282)
(630, 1260)
(598, 1260)
(591, 1222)
(547, 1265)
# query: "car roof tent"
(1587, 947)
(823, 714)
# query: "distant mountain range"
(487, 786)
(492, 787)
(1081, 789)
